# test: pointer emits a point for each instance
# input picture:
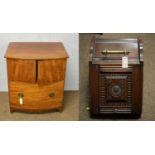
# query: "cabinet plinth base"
(30, 110)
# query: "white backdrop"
(70, 41)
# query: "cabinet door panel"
(22, 70)
(51, 71)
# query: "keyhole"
(52, 94)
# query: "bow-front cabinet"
(36, 74)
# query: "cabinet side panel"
(137, 88)
(93, 84)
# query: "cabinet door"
(22, 70)
(51, 71)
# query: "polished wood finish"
(116, 91)
(37, 80)
(22, 70)
(36, 97)
(51, 71)
(38, 50)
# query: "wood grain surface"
(36, 96)
(21, 70)
(36, 50)
(51, 71)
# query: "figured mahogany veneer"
(36, 74)
(37, 98)
(21, 70)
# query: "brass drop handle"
(52, 94)
(106, 51)
(21, 96)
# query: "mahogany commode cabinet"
(36, 74)
(116, 77)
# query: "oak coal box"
(116, 77)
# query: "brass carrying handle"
(106, 51)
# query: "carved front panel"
(116, 87)
(115, 91)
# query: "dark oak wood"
(36, 74)
(116, 91)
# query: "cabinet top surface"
(36, 50)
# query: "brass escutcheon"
(51, 94)
(21, 95)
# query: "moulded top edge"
(115, 40)
(36, 50)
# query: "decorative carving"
(115, 90)
(113, 81)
